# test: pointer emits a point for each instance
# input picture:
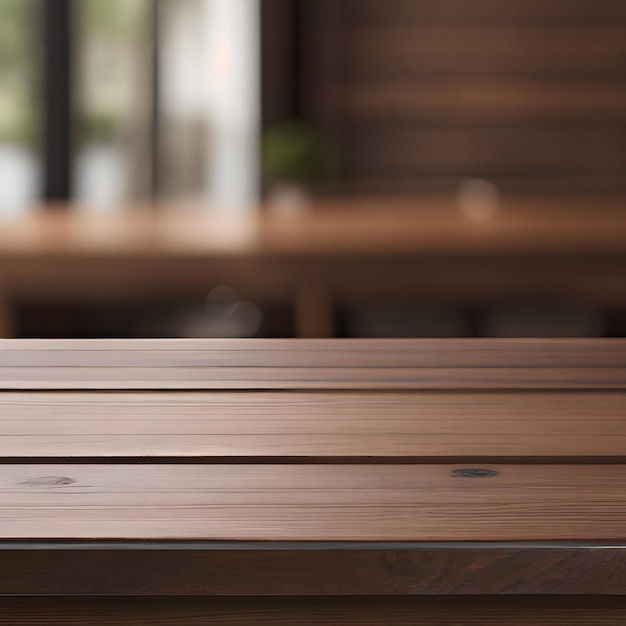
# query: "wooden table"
(313, 482)
(564, 249)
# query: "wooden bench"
(313, 482)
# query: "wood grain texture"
(318, 353)
(423, 95)
(496, 10)
(287, 425)
(356, 528)
(312, 612)
(270, 569)
(477, 48)
(568, 249)
(312, 502)
(482, 100)
(287, 364)
(380, 225)
(41, 378)
(500, 150)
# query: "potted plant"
(292, 159)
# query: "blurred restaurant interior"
(312, 168)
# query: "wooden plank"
(311, 378)
(285, 364)
(317, 353)
(313, 502)
(415, 148)
(322, 425)
(269, 569)
(480, 101)
(414, 47)
(312, 612)
(537, 10)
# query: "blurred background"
(312, 168)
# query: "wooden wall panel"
(421, 94)
(500, 10)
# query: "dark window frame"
(57, 80)
(58, 96)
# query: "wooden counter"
(570, 250)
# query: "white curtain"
(232, 47)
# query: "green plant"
(15, 43)
(17, 63)
(97, 128)
(20, 127)
(115, 20)
(292, 153)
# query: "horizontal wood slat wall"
(568, 10)
(422, 94)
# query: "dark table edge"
(202, 568)
(207, 545)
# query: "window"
(143, 100)
(113, 91)
(19, 168)
(168, 94)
